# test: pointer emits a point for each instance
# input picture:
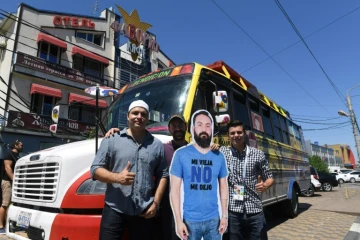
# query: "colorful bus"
(55, 198)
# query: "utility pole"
(354, 125)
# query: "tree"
(318, 164)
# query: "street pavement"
(326, 216)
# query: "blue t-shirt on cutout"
(200, 174)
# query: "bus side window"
(240, 109)
(266, 121)
(276, 125)
(284, 130)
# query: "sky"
(246, 35)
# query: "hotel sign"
(135, 30)
(73, 22)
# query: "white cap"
(139, 103)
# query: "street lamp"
(353, 120)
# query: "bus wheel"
(291, 206)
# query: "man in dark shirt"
(6, 183)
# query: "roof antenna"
(95, 8)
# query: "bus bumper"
(48, 226)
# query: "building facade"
(49, 58)
(344, 152)
(325, 152)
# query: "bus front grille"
(37, 182)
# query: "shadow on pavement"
(274, 217)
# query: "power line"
(247, 34)
(327, 25)
(314, 120)
(329, 128)
(312, 54)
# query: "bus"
(54, 196)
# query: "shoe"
(2, 231)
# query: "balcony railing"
(57, 70)
(35, 122)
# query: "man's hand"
(126, 177)
(223, 225)
(260, 187)
(182, 231)
(150, 212)
(112, 131)
(214, 146)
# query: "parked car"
(328, 181)
(354, 176)
(315, 185)
(341, 177)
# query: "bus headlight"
(91, 187)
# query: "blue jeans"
(244, 226)
(208, 229)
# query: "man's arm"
(100, 164)
(175, 183)
(224, 197)
(151, 212)
(8, 169)
(266, 175)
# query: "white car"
(316, 183)
(354, 176)
(341, 177)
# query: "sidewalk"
(344, 199)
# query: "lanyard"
(245, 162)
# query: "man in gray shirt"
(128, 163)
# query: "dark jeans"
(244, 226)
(113, 225)
(165, 223)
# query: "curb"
(354, 231)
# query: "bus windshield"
(165, 97)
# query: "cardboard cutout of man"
(203, 174)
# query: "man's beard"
(202, 142)
(179, 135)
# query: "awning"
(86, 100)
(52, 40)
(44, 90)
(76, 50)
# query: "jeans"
(244, 226)
(209, 229)
(113, 225)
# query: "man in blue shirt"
(128, 163)
(201, 171)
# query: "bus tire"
(291, 206)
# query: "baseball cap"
(139, 103)
(179, 116)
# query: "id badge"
(238, 192)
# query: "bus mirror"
(221, 101)
(222, 119)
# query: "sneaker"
(2, 231)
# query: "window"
(82, 113)
(276, 125)
(88, 66)
(266, 121)
(253, 104)
(240, 109)
(49, 52)
(42, 105)
(126, 76)
(96, 38)
(284, 130)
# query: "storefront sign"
(56, 69)
(135, 30)
(30, 121)
(74, 22)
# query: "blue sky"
(197, 31)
